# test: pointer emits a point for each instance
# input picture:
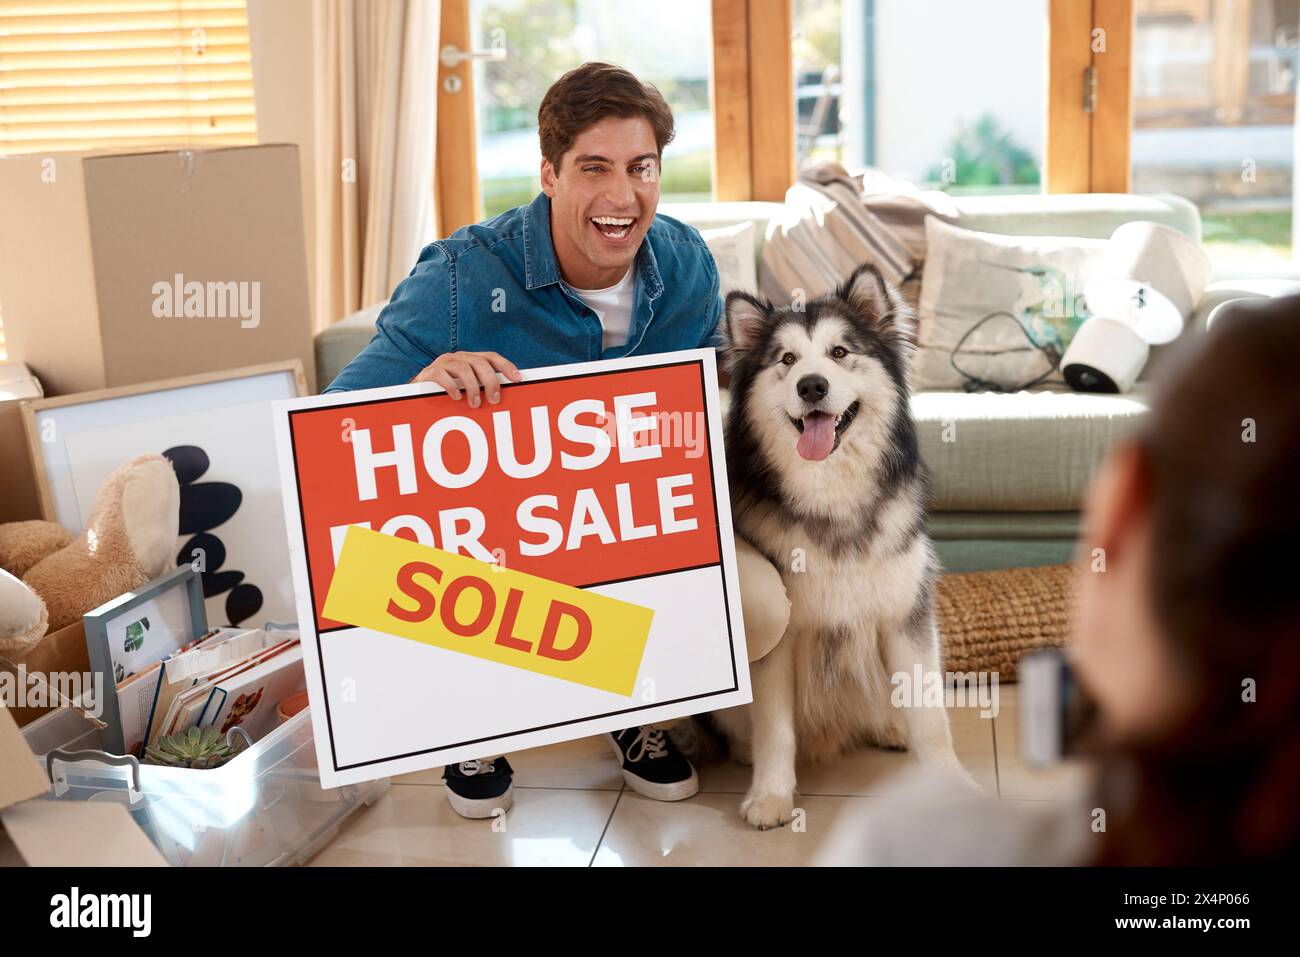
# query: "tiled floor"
(571, 807)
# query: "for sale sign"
(474, 581)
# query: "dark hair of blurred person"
(1189, 640)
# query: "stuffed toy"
(49, 578)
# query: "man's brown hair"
(588, 95)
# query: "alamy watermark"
(179, 299)
(75, 909)
(33, 689)
(945, 689)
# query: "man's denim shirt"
(496, 286)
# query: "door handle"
(453, 56)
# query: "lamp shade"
(1150, 277)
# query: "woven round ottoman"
(989, 620)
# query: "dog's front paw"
(765, 811)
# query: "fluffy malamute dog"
(826, 481)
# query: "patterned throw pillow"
(997, 312)
(733, 250)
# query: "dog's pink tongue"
(818, 436)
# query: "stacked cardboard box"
(18, 495)
(94, 248)
(121, 269)
(117, 269)
(45, 833)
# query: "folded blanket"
(834, 221)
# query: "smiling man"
(585, 271)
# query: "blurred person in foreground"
(1188, 643)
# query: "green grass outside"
(1271, 228)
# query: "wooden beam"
(771, 98)
(455, 181)
(729, 91)
(1067, 149)
(752, 92)
(1112, 120)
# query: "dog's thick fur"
(846, 533)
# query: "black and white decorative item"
(1142, 290)
(216, 429)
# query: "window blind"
(123, 74)
(111, 74)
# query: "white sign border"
(334, 775)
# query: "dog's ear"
(882, 304)
(744, 322)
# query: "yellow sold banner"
(400, 587)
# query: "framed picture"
(127, 638)
(216, 428)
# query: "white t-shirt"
(613, 307)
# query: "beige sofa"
(1008, 471)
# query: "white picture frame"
(77, 440)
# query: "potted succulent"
(196, 748)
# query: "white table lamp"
(1142, 290)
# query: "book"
(188, 706)
(248, 699)
(184, 670)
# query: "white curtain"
(376, 76)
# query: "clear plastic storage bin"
(264, 807)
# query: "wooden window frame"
(752, 94)
(1088, 138)
(753, 105)
(1086, 146)
(753, 109)
(457, 201)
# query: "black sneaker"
(652, 765)
(478, 789)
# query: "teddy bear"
(49, 578)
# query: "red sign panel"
(585, 480)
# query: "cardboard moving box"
(63, 651)
(19, 498)
(45, 833)
(122, 268)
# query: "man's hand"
(469, 371)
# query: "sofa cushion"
(715, 214)
(1032, 451)
(1019, 451)
(733, 252)
(1094, 215)
(339, 344)
(1086, 215)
